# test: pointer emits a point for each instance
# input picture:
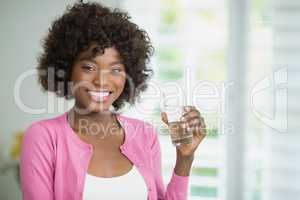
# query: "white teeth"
(99, 94)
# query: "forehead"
(95, 52)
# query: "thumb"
(164, 118)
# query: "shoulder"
(43, 130)
(39, 144)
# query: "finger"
(164, 118)
(190, 115)
(197, 125)
(194, 124)
(203, 125)
(194, 121)
(198, 137)
(189, 108)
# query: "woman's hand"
(185, 152)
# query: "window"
(220, 41)
(188, 35)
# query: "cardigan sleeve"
(37, 164)
(177, 188)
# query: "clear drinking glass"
(174, 110)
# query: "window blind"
(281, 166)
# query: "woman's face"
(97, 81)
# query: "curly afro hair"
(83, 24)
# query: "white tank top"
(128, 186)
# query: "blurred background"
(243, 54)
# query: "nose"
(101, 78)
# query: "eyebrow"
(89, 58)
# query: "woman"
(96, 56)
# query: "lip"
(99, 90)
(98, 98)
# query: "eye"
(117, 70)
(88, 68)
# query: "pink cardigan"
(54, 160)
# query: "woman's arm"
(183, 164)
(177, 189)
(37, 164)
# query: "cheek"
(120, 82)
(80, 93)
(80, 82)
(80, 86)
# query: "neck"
(91, 122)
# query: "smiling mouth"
(100, 96)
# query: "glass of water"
(174, 110)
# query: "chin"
(102, 106)
(98, 107)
